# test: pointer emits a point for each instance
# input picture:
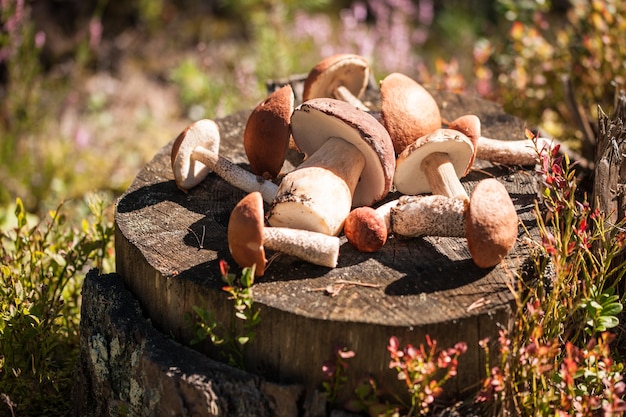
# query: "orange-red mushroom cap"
(245, 233)
(266, 136)
(491, 223)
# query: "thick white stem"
(442, 176)
(317, 196)
(428, 215)
(342, 93)
(312, 247)
(235, 175)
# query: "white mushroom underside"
(190, 172)
(311, 128)
(410, 178)
(348, 72)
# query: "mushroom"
(488, 221)
(507, 152)
(434, 163)
(349, 163)
(407, 110)
(266, 136)
(342, 76)
(195, 153)
(248, 238)
(367, 229)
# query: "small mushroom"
(195, 153)
(367, 229)
(248, 238)
(434, 163)
(488, 221)
(507, 152)
(349, 163)
(342, 76)
(266, 136)
(408, 111)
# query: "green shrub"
(43, 266)
(558, 356)
(555, 69)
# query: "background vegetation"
(90, 90)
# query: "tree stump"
(169, 244)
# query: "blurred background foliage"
(91, 89)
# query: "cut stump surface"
(169, 244)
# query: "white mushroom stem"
(234, 174)
(384, 211)
(317, 196)
(442, 176)
(511, 152)
(343, 93)
(428, 215)
(312, 247)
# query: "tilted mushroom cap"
(491, 223)
(408, 111)
(349, 70)
(266, 136)
(409, 177)
(317, 120)
(187, 172)
(245, 233)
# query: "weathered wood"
(168, 247)
(609, 180)
(126, 367)
(610, 172)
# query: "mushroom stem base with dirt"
(317, 196)
(235, 175)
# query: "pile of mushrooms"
(353, 157)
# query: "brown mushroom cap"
(317, 120)
(348, 70)
(266, 136)
(365, 229)
(408, 111)
(187, 172)
(245, 233)
(409, 177)
(469, 125)
(491, 223)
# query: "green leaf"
(607, 323)
(247, 277)
(242, 340)
(595, 305)
(612, 309)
